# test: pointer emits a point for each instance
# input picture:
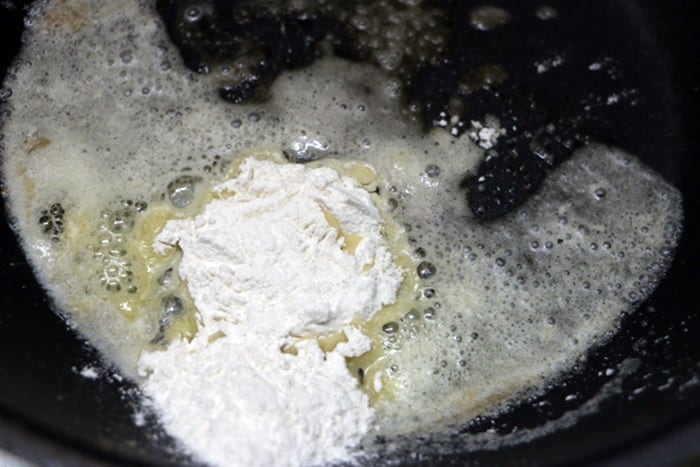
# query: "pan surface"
(49, 411)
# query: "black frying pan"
(50, 414)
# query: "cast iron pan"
(52, 415)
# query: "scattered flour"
(266, 268)
(89, 372)
(486, 134)
(546, 64)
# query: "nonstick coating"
(48, 412)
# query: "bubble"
(51, 221)
(193, 14)
(391, 327)
(140, 206)
(172, 305)
(126, 56)
(413, 315)
(360, 22)
(119, 224)
(166, 279)
(432, 171)
(645, 278)
(57, 210)
(426, 270)
(181, 190)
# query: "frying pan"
(52, 415)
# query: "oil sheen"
(107, 136)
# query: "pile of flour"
(266, 269)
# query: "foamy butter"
(107, 136)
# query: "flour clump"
(283, 254)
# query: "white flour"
(486, 134)
(264, 267)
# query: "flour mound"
(266, 268)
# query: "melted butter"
(119, 270)
(349, 239)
